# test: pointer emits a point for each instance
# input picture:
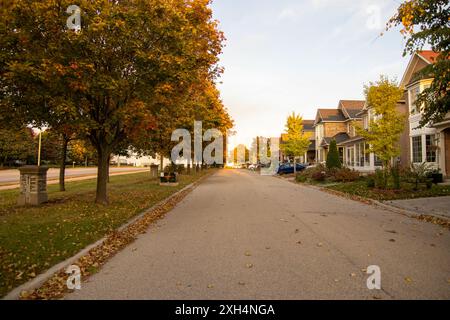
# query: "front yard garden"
(405, 184)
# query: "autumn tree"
(16, 143)
(297, 143)
(128, 57)
(387, 125)
(427, 22)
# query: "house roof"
(340, 137)
(428, 55)
(351, 108)
(308, 125)
(418, 61)
(330, 115)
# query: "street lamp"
(39, 148)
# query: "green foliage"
(16, 144)
(419, 174)
(427, 22)
(395, 174)
(333, 160)
(370, 181)
(380, 179)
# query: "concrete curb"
(405, 212)
(38, 281)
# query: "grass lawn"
(32, 239)
(359, 188)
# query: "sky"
(300, 55)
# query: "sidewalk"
(439, 206)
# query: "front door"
(447, 152)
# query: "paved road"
(243, 236)
(12, 176)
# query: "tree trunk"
(109, 161)
(62, 165)
(101, 196)
(161, 163)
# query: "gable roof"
(428, 55)
(340, 137)
(351, 108)
(308, 125)
(418, 61)
(330, 115)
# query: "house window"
(378, 162)
(361, 154)
(417, 149)
(367, 154)
(414, 93)
(357, 151)
(341, 155)
(366, 123)
(431, 148)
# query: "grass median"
(32, 239)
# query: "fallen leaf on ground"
(408, 280)
(248, 254)
(249, 265)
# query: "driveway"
(240, 235)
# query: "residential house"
(358, 157)
(429, 144)
(339, 125)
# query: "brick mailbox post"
(33, 185)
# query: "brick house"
(356, 155)
(336, 124)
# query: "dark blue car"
(288, 168)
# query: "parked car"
(288, 168)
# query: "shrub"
(370, 181)
(301, 177)
(379, 179)
(317, 173)
(319, 176)
(333, 160)
(395, 173)
(419, 174)
(345, 175)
